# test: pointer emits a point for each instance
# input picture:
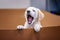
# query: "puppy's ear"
(25, 15)
(40, 14)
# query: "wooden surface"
(46, 33)
(10, 18)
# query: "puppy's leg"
(25, 25)
(22, 27)
(37, 27)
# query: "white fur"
(38, 16)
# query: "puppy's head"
(33, 14)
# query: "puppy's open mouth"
(30, 19)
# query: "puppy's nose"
(28, 11)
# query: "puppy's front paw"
(19, 27)
(36, 29)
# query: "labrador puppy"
(33, 17)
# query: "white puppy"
(33, 17)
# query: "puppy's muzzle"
(29, 17)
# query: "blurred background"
(12, 12)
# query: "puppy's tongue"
(29, 20)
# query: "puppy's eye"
(33, 10)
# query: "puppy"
(33, 17)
